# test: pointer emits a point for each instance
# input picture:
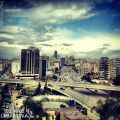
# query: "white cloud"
(83, 44)
(77, 45)
(53, 14)
(41, 32)
(6, 45)
(57, 39)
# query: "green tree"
(4, 90)
(110, 109)
(63, 106)
(38, 89)
(35, 107)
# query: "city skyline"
(81, 28)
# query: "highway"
(95, 96)
(86, 101)
(90, 86)
(72, 84)
(83, 100)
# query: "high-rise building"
(117, 61)
(55, 54)
(62, 61)
(30, 61)
(104, 68)
(112, 69)
(43, 66)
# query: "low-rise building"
(15, 67)
(1, 66)
(71, 114)
(104, 68)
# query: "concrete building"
(15, 67)
(55, 54)
(85, 68)
(104, 68)
(117, 61)
(4, 64)
(1, 66)
(113, 69)
(30, 61)
(71, 114)
(56, 64)
(62, 62)
(43, 67)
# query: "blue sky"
(84, 28)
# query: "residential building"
(104, 68)
(15, 67)
(1, 66)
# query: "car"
(83, 110)
(96, 90)
(50, 85)
(62, 88)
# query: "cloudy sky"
(83, 28)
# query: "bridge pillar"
(74, 103)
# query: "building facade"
(104, 68)
(43, 67)
(1, 66)
(112, 69)
(15, 67)
(62, 61)
(55, 54)
(30, 61)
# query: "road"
(72, 84)
(85, 101)
(90, 94)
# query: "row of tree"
(108, 110)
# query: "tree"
(63, 106)
(56, 70)
(35, 107)
(4, 90)
(38, 90)
(109, 109)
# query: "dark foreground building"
(43, 65)
(30, 61)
